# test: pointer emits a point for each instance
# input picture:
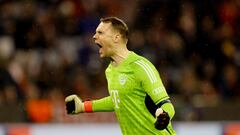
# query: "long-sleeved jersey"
(129, 85)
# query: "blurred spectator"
(11, 99)
(46, 52)
(229, 82)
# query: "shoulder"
(144, 69)
(142, 63)
(144, 66)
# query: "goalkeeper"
(136, 92)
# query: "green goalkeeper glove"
(162, 119)
(74, 104)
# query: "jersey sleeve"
(168, 107)
(150, 79)
(103, 105)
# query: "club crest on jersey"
(122, 79)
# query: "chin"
(102, 56)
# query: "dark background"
(47, 53)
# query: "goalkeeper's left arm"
(151, 82)
(75, 105)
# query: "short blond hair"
(117, 24)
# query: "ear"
(117, 38)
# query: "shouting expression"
(105, 37)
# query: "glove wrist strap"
(88, 106)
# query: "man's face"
(104, 38)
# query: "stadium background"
(46, 53)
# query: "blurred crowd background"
(47, 53)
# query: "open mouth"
(100, 46)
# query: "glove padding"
(74, 104)
(162, 119)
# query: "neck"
(120, 55)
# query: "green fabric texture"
(103, 105)
(128, 85)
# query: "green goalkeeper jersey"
(129, 84)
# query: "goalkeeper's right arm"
(75, 105)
